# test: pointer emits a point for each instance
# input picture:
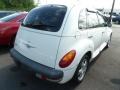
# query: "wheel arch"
(89, 53)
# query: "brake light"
(67, 59)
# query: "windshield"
(9, 17)
(46, 18)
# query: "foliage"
(2, 5)
(17, 4)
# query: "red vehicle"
(9, 26)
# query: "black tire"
(77, 78)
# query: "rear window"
(46, 18)
(9, 17)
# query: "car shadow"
(25, 80)
(4, 49)
(94, 61)
(96, 58)
(19, 79)
(36, 83)
(115, 81)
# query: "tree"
(2, 5)
(28, 4)
(18, 4)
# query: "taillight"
(67, 59)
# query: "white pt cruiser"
(58, 41)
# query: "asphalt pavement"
(103, 74)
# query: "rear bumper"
(48, 72)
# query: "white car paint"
(49, 47)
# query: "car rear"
(38, 40)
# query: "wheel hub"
(82, 70)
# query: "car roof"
(69, 3)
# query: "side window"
(92, 20)
(82, 20)
(101, 21)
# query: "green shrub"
(17, 4)
(2, 5)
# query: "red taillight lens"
(67, 59)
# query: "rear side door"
(94, 33)
(103, 27)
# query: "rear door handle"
(90, 37)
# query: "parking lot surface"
(103, 74)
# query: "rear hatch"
(39, 36)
